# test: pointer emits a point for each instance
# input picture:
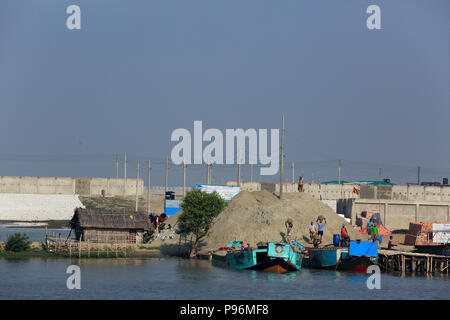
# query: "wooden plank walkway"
(414, 262)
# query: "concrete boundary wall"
(398, 214)
(37, 185)
(406, 192)
(317, 190)
(63, 185)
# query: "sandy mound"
(259, 217)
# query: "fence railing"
(87, 248)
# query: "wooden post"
(70, 249)
(413, 264)
(116, 248)
(79, 248)
(88, 248)
(431, 265)
(107, 250)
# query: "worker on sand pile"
(300, 184)
(321, 222)
(289, 225)
(312, 231)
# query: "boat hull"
(275, 257)
(338, 258)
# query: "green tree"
(199, 210)
(17, 243)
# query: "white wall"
(37, 207)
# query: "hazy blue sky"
(137, 70)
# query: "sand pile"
(259, 217)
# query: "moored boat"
(272, 256)
(357, 257)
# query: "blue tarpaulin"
(363, 248)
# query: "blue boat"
(357, 257)
(272, 256)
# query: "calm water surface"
(35, 234)
(172, 278)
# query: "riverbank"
(96, 250)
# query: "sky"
(71, 100)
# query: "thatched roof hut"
(110, 225)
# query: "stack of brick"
(425, 229)
(363, 217)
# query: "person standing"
(300, 184)
(369, 229)
(345, 239)
(374, 232)
(390, 244)
(320, 224)
(312, 231)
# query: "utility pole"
(125, 175)
(117, 166)
(293, 171)
(184, 178)
(137, 185)
(167, 174)
(125, 166)
(148, 186)
(282, 157)
(208, 170)
(418, 175)
(379, 174)
(251, 172)
(239, 167)
(339, 171)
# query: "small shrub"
(17, 243)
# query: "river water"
(173, 278)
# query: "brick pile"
(363, 217)
(425, 238)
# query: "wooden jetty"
(403, 261)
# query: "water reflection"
(171, 278)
